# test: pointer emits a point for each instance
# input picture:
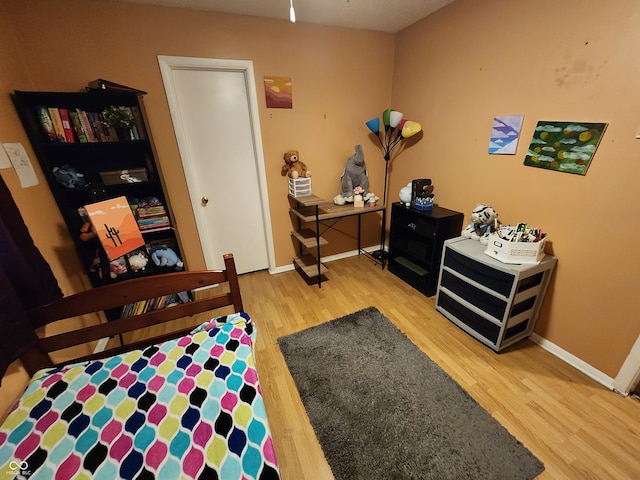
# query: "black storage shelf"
(106, 154)
(415, 243)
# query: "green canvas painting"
(564, 146)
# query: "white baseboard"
(330, 258)
(574, 361)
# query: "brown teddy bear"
(293, 167)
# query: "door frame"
(169, 63)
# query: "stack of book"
(79, 126)
(144, 306)
(152, 218)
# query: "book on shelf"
(153, 211)
(46, 123)
(149, 305)
(156, 229)
(57, 124)
(96, 126)
(153, 222)
(77, 127)
(66, 125)
(86, 126)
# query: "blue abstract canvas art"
(505, 134)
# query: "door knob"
(204, 201)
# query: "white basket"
(300, 187)
(515, 252)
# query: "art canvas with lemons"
(564, 146)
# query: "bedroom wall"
(341, 77)
(567, 61)
(330, 68)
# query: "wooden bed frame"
(123, 293)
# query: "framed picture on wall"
(564, 146)
(504, 134)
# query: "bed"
(183, 404)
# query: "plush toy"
(117, 267)
(147, 202)
(293, 167)
(405, 194)
(138, 261)
(69, 177)
(166, 257)
(354, 175)
(484, 220)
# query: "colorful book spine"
(77, 127)
(156, 210)
(96, 126)
(66, 125)
(46, 123)
(86, 126)
(153, 222)
(57, 124)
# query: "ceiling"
(381, 15)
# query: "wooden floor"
(576, 427)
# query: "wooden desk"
(313, 209)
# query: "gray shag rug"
(382, 409)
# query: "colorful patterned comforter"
(187, 408)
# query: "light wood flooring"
(575, 426)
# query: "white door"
(214, 111)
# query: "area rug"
(381, 409)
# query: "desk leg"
(318, 248)
(359, 230)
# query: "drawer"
(486, 302)
(530, 282)
(522, 306)
(496, 280)
(406, 219)
(516, 329)
(414, 245)
(413, 274)
(471, 319)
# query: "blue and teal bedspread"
(186, 408)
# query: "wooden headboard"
(123, 293)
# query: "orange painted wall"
(574, 60)
(341, 77)
(331, 68)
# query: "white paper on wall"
(21, 163)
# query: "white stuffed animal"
(405, 194)
(138, 262)
(484, 220)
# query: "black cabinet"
(110, 166)
(415, 243)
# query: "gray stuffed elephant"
(354, 175)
